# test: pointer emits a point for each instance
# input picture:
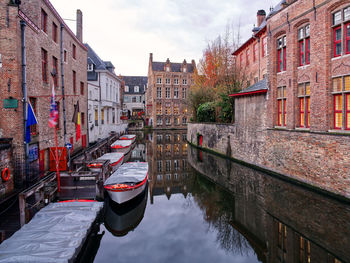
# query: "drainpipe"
(63, 98)
(24, 90)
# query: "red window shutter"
(347, 112)
(308, 112)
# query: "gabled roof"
(132, 81)
(258, 88)
(175, 67)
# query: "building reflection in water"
(167, 159)
(281, 221)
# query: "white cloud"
(126, 31)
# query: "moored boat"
(115, 161)
(131, 137)
(122, 146)
(127, 182)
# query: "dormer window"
(184, 69)
(90, 67)
(167, 68)
(126, 89)
(136, 89)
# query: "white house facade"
(104, 98)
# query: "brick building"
(298, 123)
(49, 45)
(168, 85)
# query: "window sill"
(341, 56)
(304, 66)
(347, 132)
(302, 129)
(280, 127)
(281, 73)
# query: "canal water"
(202, 208)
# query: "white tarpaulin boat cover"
(123, 143)
(112, 157)
(129, 173)
(55, 234)
(129, 136)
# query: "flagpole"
(57, 161)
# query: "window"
(159, 138)
(133, 100)
(281, 54)
(159, 121)
(176, 148)
(184, 120)
(54, 32)
(176, 109)
(184, 110)
(159, 148)
(341, 32)
(176, 165)
(102, 116)
(304, 45)
(282, 236)
(176, 120)
(65, 56)
(90, 67)
(159, 166)
(136, 89)
(304, 250)
(159, 80)
(167, 137)
(96, 118)
(126, 89)
(184, 151)
(167, 81)
(159, 92)
(43, 21)
(82, 118)
(341, 94)
(282, 101)
(255, 51)
(247, 54)
(167, 93)
(167, 110)
(167, 68)
(176, 93)
(184, 69)
(113, 116)
(81, 88)
(34, 128)
(264, 47)
(44, 64)
(74, 82)
(176, 81)
(184, 82)
(54, 66)
(159, 108)
(74, 51)
(184, 93)
(58, 114)
(304, 105)
(167, 121)
(107, 113)
(167, 165)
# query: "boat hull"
(122, 150)
(124, 196)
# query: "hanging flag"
(31, 120)
(53, 110)
(76, 119)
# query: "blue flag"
(31, 120)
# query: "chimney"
(80, 25)
(261, 15)
(151, 57)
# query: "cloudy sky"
(126, 31)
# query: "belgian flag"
(77, 121)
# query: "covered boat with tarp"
(115, 161)
(131, 137)
(122, 146)
(127, 182)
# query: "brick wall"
(36, 40)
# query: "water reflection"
(287, 222)
(120, 219)
(202, 208)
